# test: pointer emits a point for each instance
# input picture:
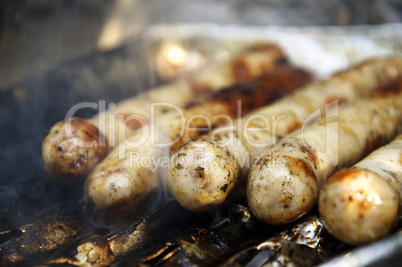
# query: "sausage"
(131, 174)
(225, 155)
(361, 204)
(66, 161)
(74, 146)
(284, 183)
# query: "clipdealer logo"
(151, 131)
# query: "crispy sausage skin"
(122, 182)
(362, 204)
(284, 184)
(60, 145)
(117, 124)
(245, 139)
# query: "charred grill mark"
(311, 155)
(297, 165)
(372, 143)
(390, 89)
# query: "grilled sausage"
(121, 183)
(204, 174)
(74, 146)
(361, 204)
(284, 184)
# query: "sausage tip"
(358, 207)
(71, 149)
(204, 177)
(280, 190)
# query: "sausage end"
(71, 149)
(358, 207)
(202, 175)
(281, 189)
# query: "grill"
(43, 222)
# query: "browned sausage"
(362, 204)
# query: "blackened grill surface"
(28, 110)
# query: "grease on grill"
(41, 237)
(304, 244)
(211, 241)
(237, 238)
(133, 242)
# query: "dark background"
(37, 35)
